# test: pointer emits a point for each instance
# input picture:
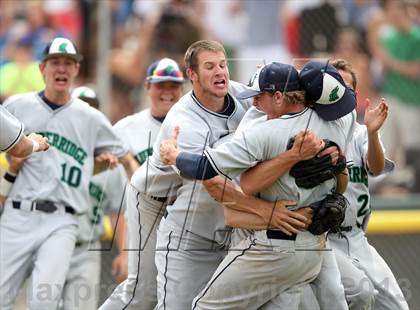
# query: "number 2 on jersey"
(365, 207)
(71, 176)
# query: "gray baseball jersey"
(199, 127)
(138, 291)
(62, 174)
(276, 266)
(11, 130)
(194, 217)
(253, 145)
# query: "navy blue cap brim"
(332, 112)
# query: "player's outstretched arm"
(249, 212)
(28, 145)
(374, 119)
(129, 163)
(264, 174)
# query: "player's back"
(286, 127)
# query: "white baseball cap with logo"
(61, 47)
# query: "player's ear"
(191, 74)
(41, 66)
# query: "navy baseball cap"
(61, 47)
(272, 77)
(164, 70)
(326, 91)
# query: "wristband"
(35, 146)
(6, 183)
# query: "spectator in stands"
(399, 54)
(348, 47)
(22, 74)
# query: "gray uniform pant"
(81, 290)
(327, 287)
(37, 244)
(185, 264)
(367, 279)
(138, 291)
(259, 270)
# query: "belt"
(277, 234)
(160, 199)
(44, 206)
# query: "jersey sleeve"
(244, 151)
(11, 130)
(106, 138)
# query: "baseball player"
(367, 279)
(253, 270)
(164, 87)
(194, 229)
(106, 190)
(39, 222)
(13, 141)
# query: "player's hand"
(42, 141)
(287, 221)
(107, 159)
(169, 148)
(307, 145)
(375, 116)
(120, 267)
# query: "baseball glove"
(329, 215)
(312, 172)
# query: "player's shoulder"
(19, 99)
(85, 111)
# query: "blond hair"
(294, 97)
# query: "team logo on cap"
(63, 47)
(333, 94)
(332, 90)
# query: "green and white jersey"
(11, 130)
(76, 134)
(106, 190)
(357, 192)
(139, 131)
(265, 140)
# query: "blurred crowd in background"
(381, 38)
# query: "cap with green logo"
(326, 91)
(61, 47)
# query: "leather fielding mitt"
(312, 172)
(329, 215)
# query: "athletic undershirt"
(51, 104)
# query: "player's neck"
(286, 109)
(210, 101)
(59, 98)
